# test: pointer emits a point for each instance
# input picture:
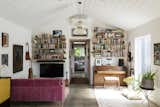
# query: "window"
(79, 51)
(142, 55)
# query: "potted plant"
(148, 80)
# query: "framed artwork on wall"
(4, 58)
(17, 58)
(157, 54)
(98, 62)
(5, 39)
(57, 32)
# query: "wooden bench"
(111, 80)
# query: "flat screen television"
(51, 70)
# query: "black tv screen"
(51, 70)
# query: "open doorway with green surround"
(80, 60)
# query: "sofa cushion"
(154, 96)
(47, 82)
(132, 95)
(22, 82)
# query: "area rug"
(111, 97)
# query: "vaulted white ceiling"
(125, 14)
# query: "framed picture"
(5, 41)
(98, 62)
(57, 32)
(4, 59)
(157, 54)
(79, 31)
(17, 58)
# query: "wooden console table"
(103, 71)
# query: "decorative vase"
(147, 84)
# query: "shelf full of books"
(49, 47)
(108, 42)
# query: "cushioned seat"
(111, 80)
(40, 89)
(132, 94)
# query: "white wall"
(20, 35)
(17, 35)
(66, 28)
(151, 28)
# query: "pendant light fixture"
(78, 21)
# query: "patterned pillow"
(132, 95)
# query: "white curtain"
(142, 55)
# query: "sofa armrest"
(4, 89)
(154, 97)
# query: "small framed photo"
(5, 40)
(98, 62)
(57, 32)
(157, 54)
(5, 59)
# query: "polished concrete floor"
(79, 74)
(80, 96)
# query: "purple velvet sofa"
(40, 89)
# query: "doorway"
(79, 61)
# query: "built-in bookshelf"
(108, 43)
(47, 47)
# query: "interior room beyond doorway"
(79, 60)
